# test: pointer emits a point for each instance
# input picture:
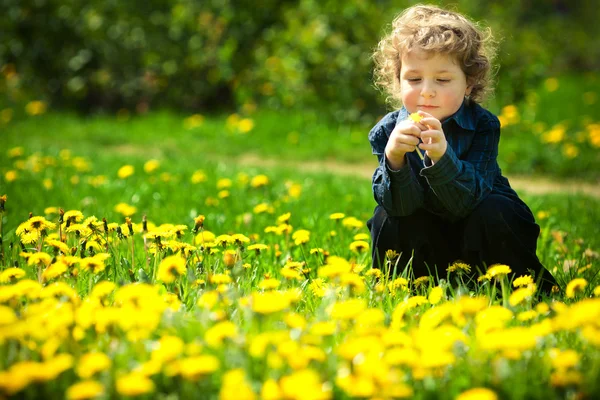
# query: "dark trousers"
(499, 230)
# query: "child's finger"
(432, 135)
(431, 122)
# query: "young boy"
(452, 202)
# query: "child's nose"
(427, 90)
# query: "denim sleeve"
(398, 192)
(461, 185)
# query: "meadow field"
(142, 258)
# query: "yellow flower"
(336, 216)
(564, 359)
(36, 107)
(204, 237)
(269, 284)
(151, 166)
(193, 121)
(436, 295)
(224, 183)
(170, 268)
(39, 259)
(11, 274)
(416, 117)
(352, 223)
(245, 125)
(95, 264)
(498, 271)
(125, 209)
(263, 208)
(562, 378)
(11, 175)
(478, 394)
(575, 286)
(459, 267)
(269, 302)
(520, 295)
(258, 247)
(524, 280)
(54, 270)
(359, 246)
(570, 151)
(270, 390)
(219, 279)
(134, 384)
(259, 181)
(85, 390)
(194, 367)
(308, 383)
(35, 224)
(555, 135)
(301, 236)
(92, 363)
(198, 177)
(348, 309)
(125, 171)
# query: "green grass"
(228, 330)
(50, 173)
(301, 135)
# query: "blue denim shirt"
(458, 182)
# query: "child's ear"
(468, 91)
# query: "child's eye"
(413, 79)
(444, 80)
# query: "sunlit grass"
(256, 283)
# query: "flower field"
(145, 278)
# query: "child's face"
(432, 83)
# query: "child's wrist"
(394, 163)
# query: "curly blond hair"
(435, 30)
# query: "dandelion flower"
(336, 216)
(359, 246)
(498, 271)
(95, 264)
(478, 394)
(125, 171)
(459, 267)
(11, 274)
(134, 384)
(575, 287)
(520, 295)
(91, 363)
(416, 117)
(192, 368)
(524, 280)
(301, 236)
(151, 165)
(170, 268)
(259, 181)
(269, 302)
(84, 390)
(436, 295)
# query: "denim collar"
(463, 117)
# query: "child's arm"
(397, 191)
(461, 185)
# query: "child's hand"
(434, 140)
(403, 139)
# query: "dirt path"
(532, 185)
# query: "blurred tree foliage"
(220, 54)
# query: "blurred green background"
(279, 60)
